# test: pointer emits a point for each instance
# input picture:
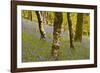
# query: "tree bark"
(56, 35)
(41, 29)
(79, 25)
(70, 30)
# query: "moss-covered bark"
(79, 26)
(70, 30)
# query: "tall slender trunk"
(70, 30)
(79, 26)
(56, 35)
(42, 32)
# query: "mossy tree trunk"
(70, 30)
(56, 35)
(79, 25)
(41, 28)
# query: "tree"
(79, 26)
(70, 30)
(56, 35)
(30, 15)
(42, 32)
(86, 26)
(43, 16)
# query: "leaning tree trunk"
(56, 35)
(70, 30)
(79, 25)
(42, 32)
(30, 15)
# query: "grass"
(34, 49)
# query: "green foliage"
(74, 20)
(86, 23)
(33, 48)
(50, 20)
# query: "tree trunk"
(56, 35)
(79, 25)
(42, 32)
(30, 15)
(70, 30)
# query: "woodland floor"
(34, 49)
